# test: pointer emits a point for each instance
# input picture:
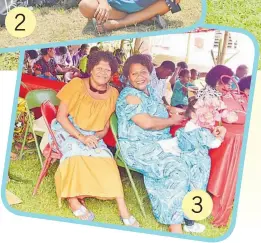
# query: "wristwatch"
(173, 7)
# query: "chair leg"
(23, 144)
(135, 191)
(35, 140)
(52, 161)
(42, 174)
(38, 149)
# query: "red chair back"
(49, 114)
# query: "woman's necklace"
(96, 90)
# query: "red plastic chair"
(51, 151)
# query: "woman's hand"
(91, 141)
(102, 12)
(174, 110)
(177, 1)
(74, 69)
(177, 119)
(219, 131)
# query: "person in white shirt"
(159, 78)
(63, 57)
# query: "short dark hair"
(33, 54)
(241, 67)
(193, 70)
(190, 108)
(183, 65)
(94, 48)
(105, 56)
(184, 72)
(44, 51)
(84, 46)
(214, 75)
(245, 83)
(63, 50)
(168, 65)
(137, 59)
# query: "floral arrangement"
(210, 109)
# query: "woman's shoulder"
(74, 84)
(114, 93)
(72, 87)
(76, 81)
(129, 91)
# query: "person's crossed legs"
(117, 19)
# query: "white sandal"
(82, 211)
(130, 222)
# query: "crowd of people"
(171, 166)
(61, 63)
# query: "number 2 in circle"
(198, 204)
(23, 19)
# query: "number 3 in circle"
(22, 21)
(198, 204)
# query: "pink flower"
(199, 103)
(217, 116)
(216, 102)
(222, 105)
(224, 114)
(232, 117)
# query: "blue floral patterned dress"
(194, 143)
(166, 175)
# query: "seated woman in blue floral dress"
(143, 123)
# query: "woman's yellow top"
(88, 113)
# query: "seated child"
(244, 84)
(180, 91)
(192, 144)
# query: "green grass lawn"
(9, 61)
(55, 24)
(236, 13)
(105, 211)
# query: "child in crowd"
(179, 97)
(244, 84)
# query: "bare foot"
(82, 201)
(107, 26)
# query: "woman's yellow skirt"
(86, 176)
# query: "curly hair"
(214, 75)
(106, 56)
(137, 59)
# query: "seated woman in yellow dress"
(87, 168)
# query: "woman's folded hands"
(91, 141)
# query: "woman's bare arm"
(101, 134)
(62, 118)
(148, 122)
